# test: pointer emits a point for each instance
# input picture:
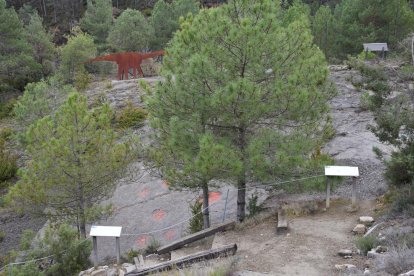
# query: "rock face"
(353, 142)
(366, 220)
(359, 229)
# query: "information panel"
(341, 171)
(105, 231)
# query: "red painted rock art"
(142, 241)
(144, 193)
(128, 60)
(158, 214)
(170, 234)
(212, 197)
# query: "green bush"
(196, 221)
(365, 244)
(2, 236)
(82, 79)
(70, 254)
(406, 72)
(152, 247)
(8, 165)
(26, 239)
(253, 206)
(364, 101)
(6, 133)
(6, 109)
(403, 204)
(131, 116)
(132, 254)
(399, 168)
(367, 56)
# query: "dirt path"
(309, 248)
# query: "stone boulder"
(344, 267)
(381, 249)
(346, 253)
(372, 254)
(366, 220)
(359, 229)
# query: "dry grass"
(257, 219)
(398, 260)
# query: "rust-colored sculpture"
(128, 60)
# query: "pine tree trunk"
(82, 217)
(206, 212)
(241, 199)
(241, 182)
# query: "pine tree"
(97, 20)
(75, 159)
(130, 32)
(79, 48)
(259, 81)
(323, 30)
(44, 51)
(17, 67)
(165, 19)
(185, 151)
(40, 99)
(361, 21)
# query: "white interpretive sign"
(341, 171)
(375, 47)
(105, 231)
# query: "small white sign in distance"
(341, 171)
(105, 231)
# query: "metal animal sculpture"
(128, 60)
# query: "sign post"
(340, 171)
(105, 231)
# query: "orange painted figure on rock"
(128, 60)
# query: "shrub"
(82, 79)
(397, 261)
(6, 133)
(364, 101)
(152, 247)
(131, 116)
(6, 109)
(253, 206)
(71, 254)
(2, 236)
(406, 72)
(26, 239)
(196, 221)
(379, 86)
(397, 237)
(132, 254)
(403, 204)
(367, 56)
(365, 244)
(8, 165)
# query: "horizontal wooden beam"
(187, 260)
(196, 236)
